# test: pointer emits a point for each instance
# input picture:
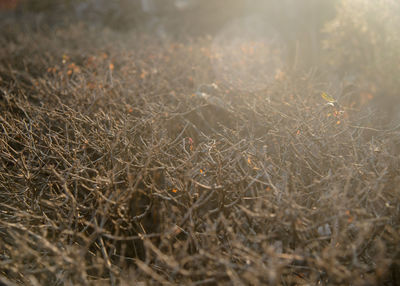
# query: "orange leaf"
(143, 75)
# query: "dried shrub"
(363, 44)
(114, 171)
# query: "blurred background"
(355, 43)
(297, 22)
(355, 29)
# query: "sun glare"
(247, 54)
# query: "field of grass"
(114, 171)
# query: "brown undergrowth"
(114, 171)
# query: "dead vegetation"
(113, 171)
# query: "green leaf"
(327, 97)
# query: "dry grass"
(112, 171)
